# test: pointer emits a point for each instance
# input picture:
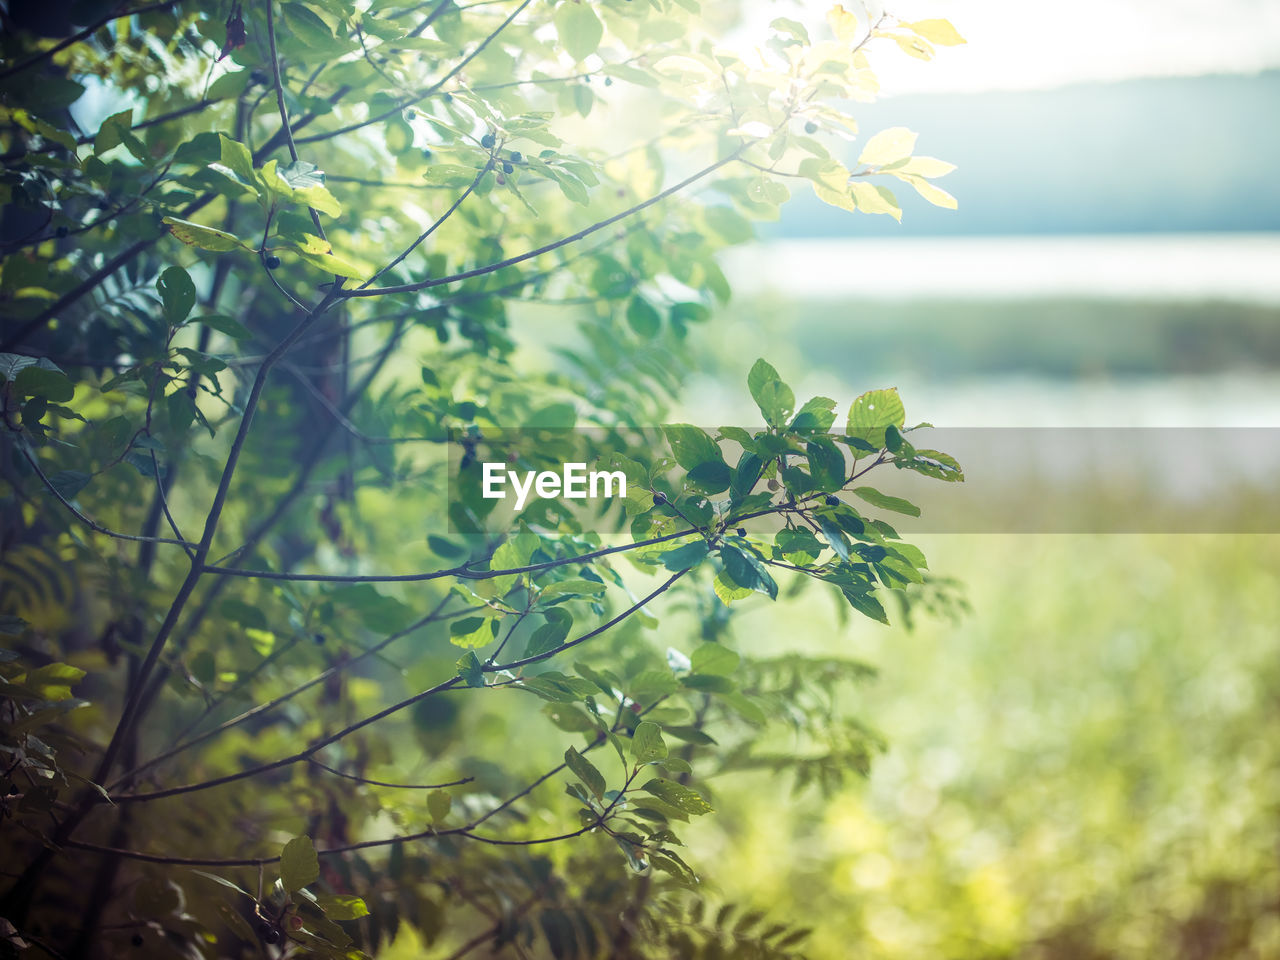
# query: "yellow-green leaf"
(914, 46)
(235, 155)
(940, 32)
(439, 803)
(342, 907)
(875, 199)
(876, 409)
(579, 28)
(206, 238)
(935, 195)
(843, 23)
(319, 198)
(926, 167)
(330, 263)
(310, 243)
(299, 865)
(837, 198)
(888, 146)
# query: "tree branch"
(547, 248)
(450, 684)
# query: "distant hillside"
(1177, 154)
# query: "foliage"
(248, 317)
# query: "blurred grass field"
(1086, 766)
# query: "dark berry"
(608, 81)
(448, 98)
(272, 262)
(501, 180)
(659, 498)
(487, 141)
(136, 940)
(258, 78)
(508, 168)
(426, 154)
(517, 156)
(319, 638)
(742, 531)
(104, 204)
(810, 127)
(832, 500)
(60, 232)
(267, 932)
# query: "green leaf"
(585, 771)
(113, 131)
(177, 294)
(746, 569)
(883, 500)
(206, 238)
(11, 363)
(827, 467)
(342, 907)
(573, 588)
(691, 445)
(319, 198)
(834, 535)
(647, 744)
(710, 477)
(235, 155)
(53, 681)
(439, 803)
(774, 398)
(877, 408)
(43, 379)
(551, 634)
(299, 865)
(376, 611)
(865, 604)
(816, 415)
(643, 318)
(685, 556)
(714, 659)
(932, 463)
(223, 324)
(579, 28)
(308, 27)
(872, 412)
(896, 443)
(679, 796)
(301, 174)
(471, 632)
(470, 669)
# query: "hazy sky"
(1030, 44)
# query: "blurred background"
(1086, 764)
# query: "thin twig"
(450, 684)
(547, 248)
